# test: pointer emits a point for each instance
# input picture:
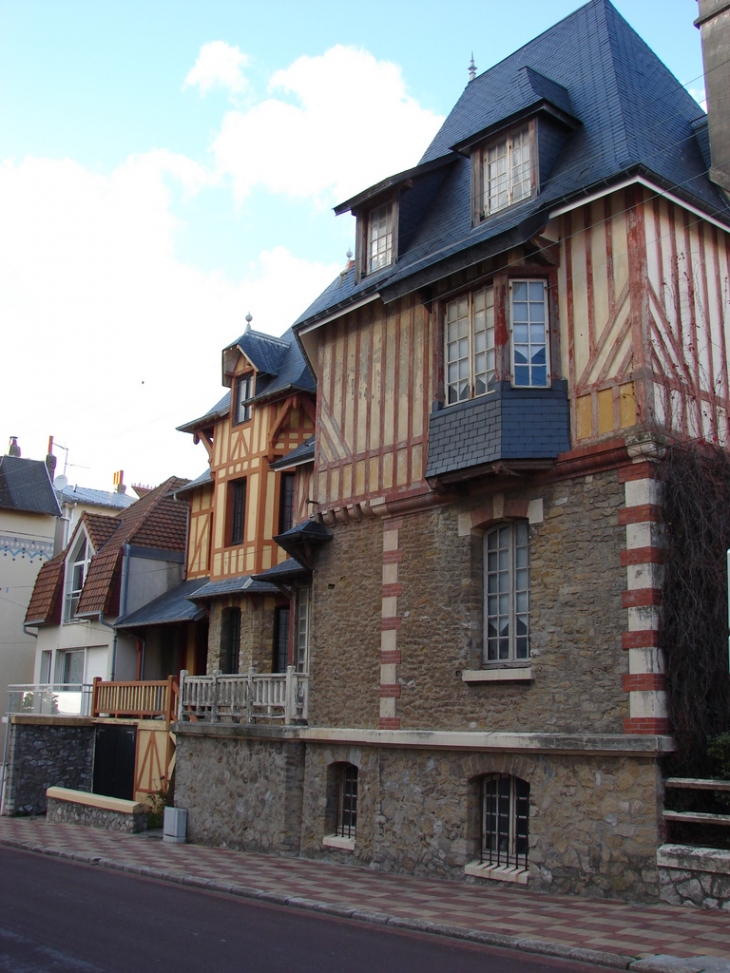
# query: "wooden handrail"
(136, 699)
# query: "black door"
(114, 756)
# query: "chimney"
(50, 459)
(714, 25)
(13, 448)
(119, 486)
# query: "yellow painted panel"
(373, 474)
(605, 410)
(253, 506)
(419, 371)
(217, 564)
(266, 557)
(321, 487)
(387, 470)
(338, 365)
(359, 477)
(350, 386)
(389, 382)
(335, 493)
(627, 405)
(269, 510)
(619, 239)
(363, 391)
(584, 415)
(346, 481)
(404, 367)
(417, 463)
(402, 467)
(580, 297)
(376, 386)
(220, 513)
(249, 563)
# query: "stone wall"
(257, 632)
(694, 876)
(46, 754)
(68, 812)
(240, 789)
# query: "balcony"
(280, 697)
(50, 699)
(120, 700)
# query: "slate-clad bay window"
(243, 392)
(507, 594)
(504, 172)
(470, 361)
(505, 821)
(528, 312)
(236, 511)
(380, 238)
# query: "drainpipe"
(114, 644)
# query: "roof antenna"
(472, 68)
(249, 319)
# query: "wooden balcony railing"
(136, 700)
(254, 697)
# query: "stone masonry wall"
(694, 876)
(95, 817)
(257, 633)
(46, 755)
(577, 619)
(240, 792)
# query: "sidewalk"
(651, 939)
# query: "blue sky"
(167, 167)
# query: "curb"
(616, 961)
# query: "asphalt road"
(57, 917)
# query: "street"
(58, 916)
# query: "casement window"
(243, 392)
(505, 821)
(286, 502)
(507, 594)
(45, 667)
(280, 659)
(528, 320)
(379, 242)
(70, 667)
(470, 351)
(230, 640)
(504, 172)
(76, 570)
(301, 629)
(236, 511)
(346, 821)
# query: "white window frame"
(470, 353)
(302, 619)
(504, 172)
(528, 333)
(379, 238)
(61, 661)
(243, 389)
(74, 561)
(507, 595)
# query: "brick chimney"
(50, 459)
(119, 484)
(714, 25)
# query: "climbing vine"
(694, 618)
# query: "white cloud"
(349, 124)
(109, 341)
(218, 66)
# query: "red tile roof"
(45, 602)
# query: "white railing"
(265, 697)
(50, 699)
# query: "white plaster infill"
(99, 801)
(500, 873)
(517, 674)
(338, 841)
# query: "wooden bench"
(97, 810)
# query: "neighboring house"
(112, 566)
(76, 500)
(258, 601)
(29, 513)
(534, 313)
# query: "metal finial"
(249, 319)
(349, 255)
(472, 68)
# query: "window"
(45, 670)
(504, 173)
(528, 307)
(236, 511)
(70, 667)
(75, 578)
(380, 236)
(346, 821)
(504, 821)
(244, 391)
(230, 640)
(301, 629)
(286, 502)
(470, 361)
(281, 639)
(507, 594)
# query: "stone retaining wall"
(694, 876)
(46, 753)
(68, 812)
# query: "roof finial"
(349, 255)
(249, 319)
(472, 68)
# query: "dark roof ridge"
(262, 335)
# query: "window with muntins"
(528, 314)
(301, 629)
(347, 802)
(75, 578)
(505, 821)
(244, 391)
(470, 349)
(286, 502)
(237, 500)
(380, 237)
(504, 172)
(507, 594)
(281, 639)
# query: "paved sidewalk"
(651, 939)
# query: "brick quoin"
(393, 590)
(645, 639)
(637, 471)
(641, 597)
(645, 513)
(643, 555)
(389, 723)
(646, 726)
(390, 658)
(392, 557)
(643, 682)
(390, 690)
(388, 624)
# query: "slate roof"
(96, 498)
(199, 481)
(45, 602)
(173, 606)
(299, 540)
(304, 453)
(239, 585)
(26, 486)
(634, 117)
(283, 572)
(218, 411)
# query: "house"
(535, 315)
(76, 500)
(29, 513)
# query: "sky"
(168, 167)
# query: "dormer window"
(379, 250)
(76, 569)
(504, 172)
(244, 391)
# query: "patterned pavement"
(612, 933)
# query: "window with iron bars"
(347, 802)
(505, 820)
